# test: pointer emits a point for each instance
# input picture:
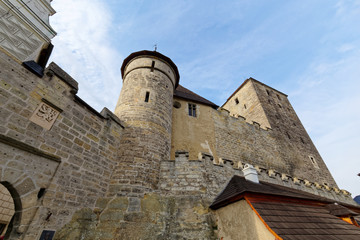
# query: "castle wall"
(194, 134)
(297, 147)
(245, 102)
(145, 105)
(70, 151)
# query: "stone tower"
(271, 108)
(145, 105)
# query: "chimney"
(250, 173)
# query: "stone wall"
(51, 140)
(194, 134)
(145, 105)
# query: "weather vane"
(155, 47)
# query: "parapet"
(223, 169)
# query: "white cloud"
(83, 49)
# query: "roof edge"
(153, 54)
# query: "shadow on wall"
(10, 209)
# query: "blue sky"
(307, 49)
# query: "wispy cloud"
(83, 48)
(327, 102)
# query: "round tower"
(145, 105)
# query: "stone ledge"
(25, 147)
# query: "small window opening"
(236, 101)
(147, 96)
(245, 106)
(278, 97)
(294, 124)
(192, 110)
(288, 135)
(152, 66)
(41, 193)
(279, 106)
(268, 92)
(313, 161)
(302, 140)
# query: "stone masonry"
(151, 169)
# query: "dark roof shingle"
(185, 93)
(292, 214)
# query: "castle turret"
(145, 105)
(271, 108)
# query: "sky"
(307, 49)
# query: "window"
(245, 106)
(152, 66)
(288, 135)
(236, 101)
(192, 110)
(278, 97)
(313, 161)
(268, 93)
(147, 96)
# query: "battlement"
(208, 176)
(233, 117)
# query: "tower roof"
(153, 54)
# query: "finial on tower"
(155, 47)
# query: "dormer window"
(192, 109)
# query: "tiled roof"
(294, 221)
(238, 185)
(185, 93)
(292, 214)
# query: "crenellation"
(91, 175)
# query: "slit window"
(236, 101)
(192, 110)
(313, 161)
(147, 96)
(288, 135)
(245, 106)
(268, 93)
(152, 66)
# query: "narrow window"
(192, 110)
(302, 140)
(279, 106)
(288, 135)
(147, 95)
(41, 193)
(245, 106)
(236, 101)
(268, 93)
(152, 66)
(278, 97)
(313, 161)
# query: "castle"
(166, 164)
